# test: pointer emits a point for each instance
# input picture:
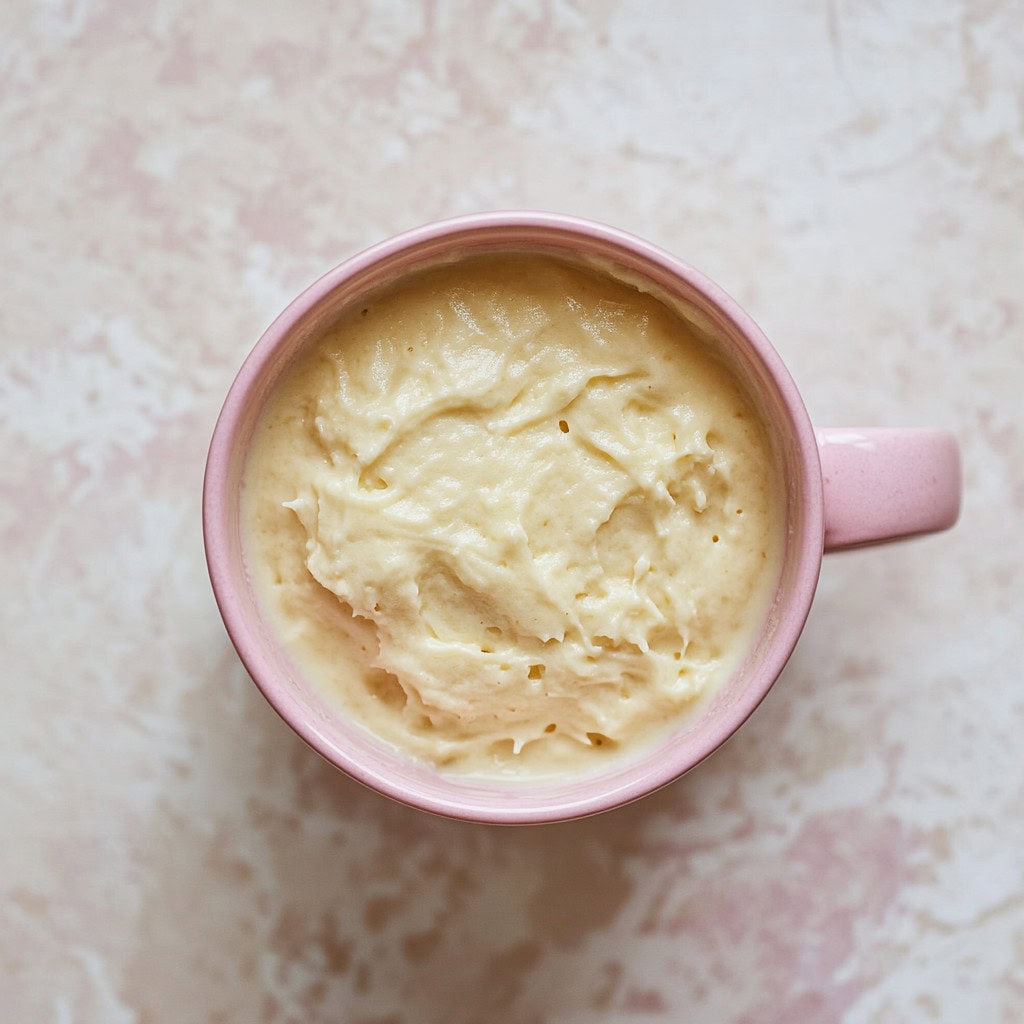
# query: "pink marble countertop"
(172, 173)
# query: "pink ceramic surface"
(844, 488)
(885, 484)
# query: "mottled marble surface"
(172, 173)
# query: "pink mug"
(844, 487)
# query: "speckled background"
(172, 173)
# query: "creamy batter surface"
(513, 515)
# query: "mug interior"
(315, 718)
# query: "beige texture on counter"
(173, 173)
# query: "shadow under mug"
(843, 488)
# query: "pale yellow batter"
(514, 516)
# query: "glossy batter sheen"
(514, 516)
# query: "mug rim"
(494, 804)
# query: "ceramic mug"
(843, 488)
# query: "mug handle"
(885, 484)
